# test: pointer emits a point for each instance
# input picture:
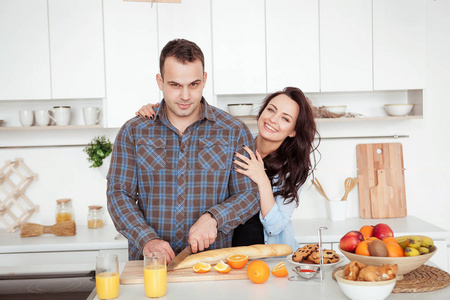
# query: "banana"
(426, 241)
(424, 250)
(411, 251)
(414, 241)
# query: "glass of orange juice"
(107, 276)
(155, 274)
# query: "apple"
(350, 240)
(381, 231)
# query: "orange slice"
(237, 261)
(280, 270)
(201, 267)
(222, 267)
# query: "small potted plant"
(97, 150)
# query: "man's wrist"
(212, 217)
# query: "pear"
(424, 250)
(414, 242)
(411, 251)
(402, 241)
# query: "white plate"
(289, 259)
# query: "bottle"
(64, 210)
(95, 217)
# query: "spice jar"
(64, 210)
(95, 217)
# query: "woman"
(280, 166)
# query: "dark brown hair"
(291, 162)
(183, 51)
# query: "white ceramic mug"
(42, 117)
(61, 115)
(26, 117)
(91, 115)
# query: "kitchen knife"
(179, 258)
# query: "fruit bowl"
(405, 264)
(368, 290)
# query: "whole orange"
(258, 271)
(390, 239)
(395, 250)
(366, 230)
(363, 248)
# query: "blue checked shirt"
(160, 181)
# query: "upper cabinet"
(24, 50)
(292, 43)
(132, 58)
(76, 48)
(52, 55)
(399, 44)
(190, 20)
(346, 45)
(238, 30)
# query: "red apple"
(382, 231)
(351, 240)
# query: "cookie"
(326, 260)
(326, 254)
(304, 252)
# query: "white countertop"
(85, 239)
(306, 230)
(273, 288)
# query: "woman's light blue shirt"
(278, 228)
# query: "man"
(171, 181)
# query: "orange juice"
(107, 285)
(155, 280)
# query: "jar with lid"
(64, 210)
(95, 217)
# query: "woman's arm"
(253, 168)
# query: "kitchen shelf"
(23, 128)
(251, 120)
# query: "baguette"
(253, 252)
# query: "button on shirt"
(160, 181)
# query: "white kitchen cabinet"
(239, 56)
(131, 58)
(190, 20)
(24, 50)
(292, 42)
(399, 44)
(76, 48)
(346, 45)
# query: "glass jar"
(64, 210)
(95, 217)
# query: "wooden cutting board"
(381, 180)
(133, 273)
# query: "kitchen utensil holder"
(15, 207)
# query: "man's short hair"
(183, 51)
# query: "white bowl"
(338, 109)
(398, 109)
(240, 109)
(367, 290)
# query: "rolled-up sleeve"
(278, 217)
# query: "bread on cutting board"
(253, 252)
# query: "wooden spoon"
(349, 183)
(319, 188)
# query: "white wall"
(64, 172)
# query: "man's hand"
(203, 233)
(157, 245)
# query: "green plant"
(97, 150)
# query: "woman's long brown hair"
(292, 160)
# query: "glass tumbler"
(155, 274)
(107, 276)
